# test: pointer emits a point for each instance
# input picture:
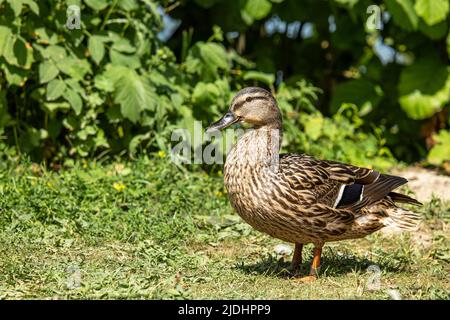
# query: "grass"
(151, 230)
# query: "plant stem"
(108, 14)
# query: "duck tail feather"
(398, 197)
(402, 219)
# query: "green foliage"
(432, 12)
(110, 86)
(49, 73)
(403, 13)
(361, 92)
(113, 87)
(102, 202)
(256, 10)
(424, 88)
(339, 137)
(397, 76)
(440, 152)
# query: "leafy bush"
(396, 74)
(340, 137)
(113, 87)
(107, 87)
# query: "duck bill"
(227, 120)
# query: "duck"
(298, 198)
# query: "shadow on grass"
(332, 265)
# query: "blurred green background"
(136, 70)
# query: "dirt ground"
(426, 183)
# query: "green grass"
(149, 230)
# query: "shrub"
(113, 87)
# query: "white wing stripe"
(339, 197)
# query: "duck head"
(254, 106)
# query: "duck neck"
(259, 147)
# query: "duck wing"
(339, 185)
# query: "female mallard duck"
(297, 198)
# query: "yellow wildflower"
(161, 154)
(219, 193)
(119, 186)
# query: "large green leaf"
(75, 85)
(432, 11)
(15, 50)
(258, 9)
(20, 54)
(5, 38)
(73, 67)
(421, 106)
(128, 5)
(97, 5)
(132, 92)
(266, 78)
(55, 89)
(96, 48)
(74, 99)
(403, 13)
(54, 52)
(47, 71)
(424, 88)
(17, 5)
(441, 150)
(205, 94)
(33, 6)
(214, 55)
(127, 60)
(15, 75)
(104, 83)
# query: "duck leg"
(315, 266)
(297, 258)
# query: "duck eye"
(248, 99)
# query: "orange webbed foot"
(306, 279)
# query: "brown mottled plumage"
(297, 198)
